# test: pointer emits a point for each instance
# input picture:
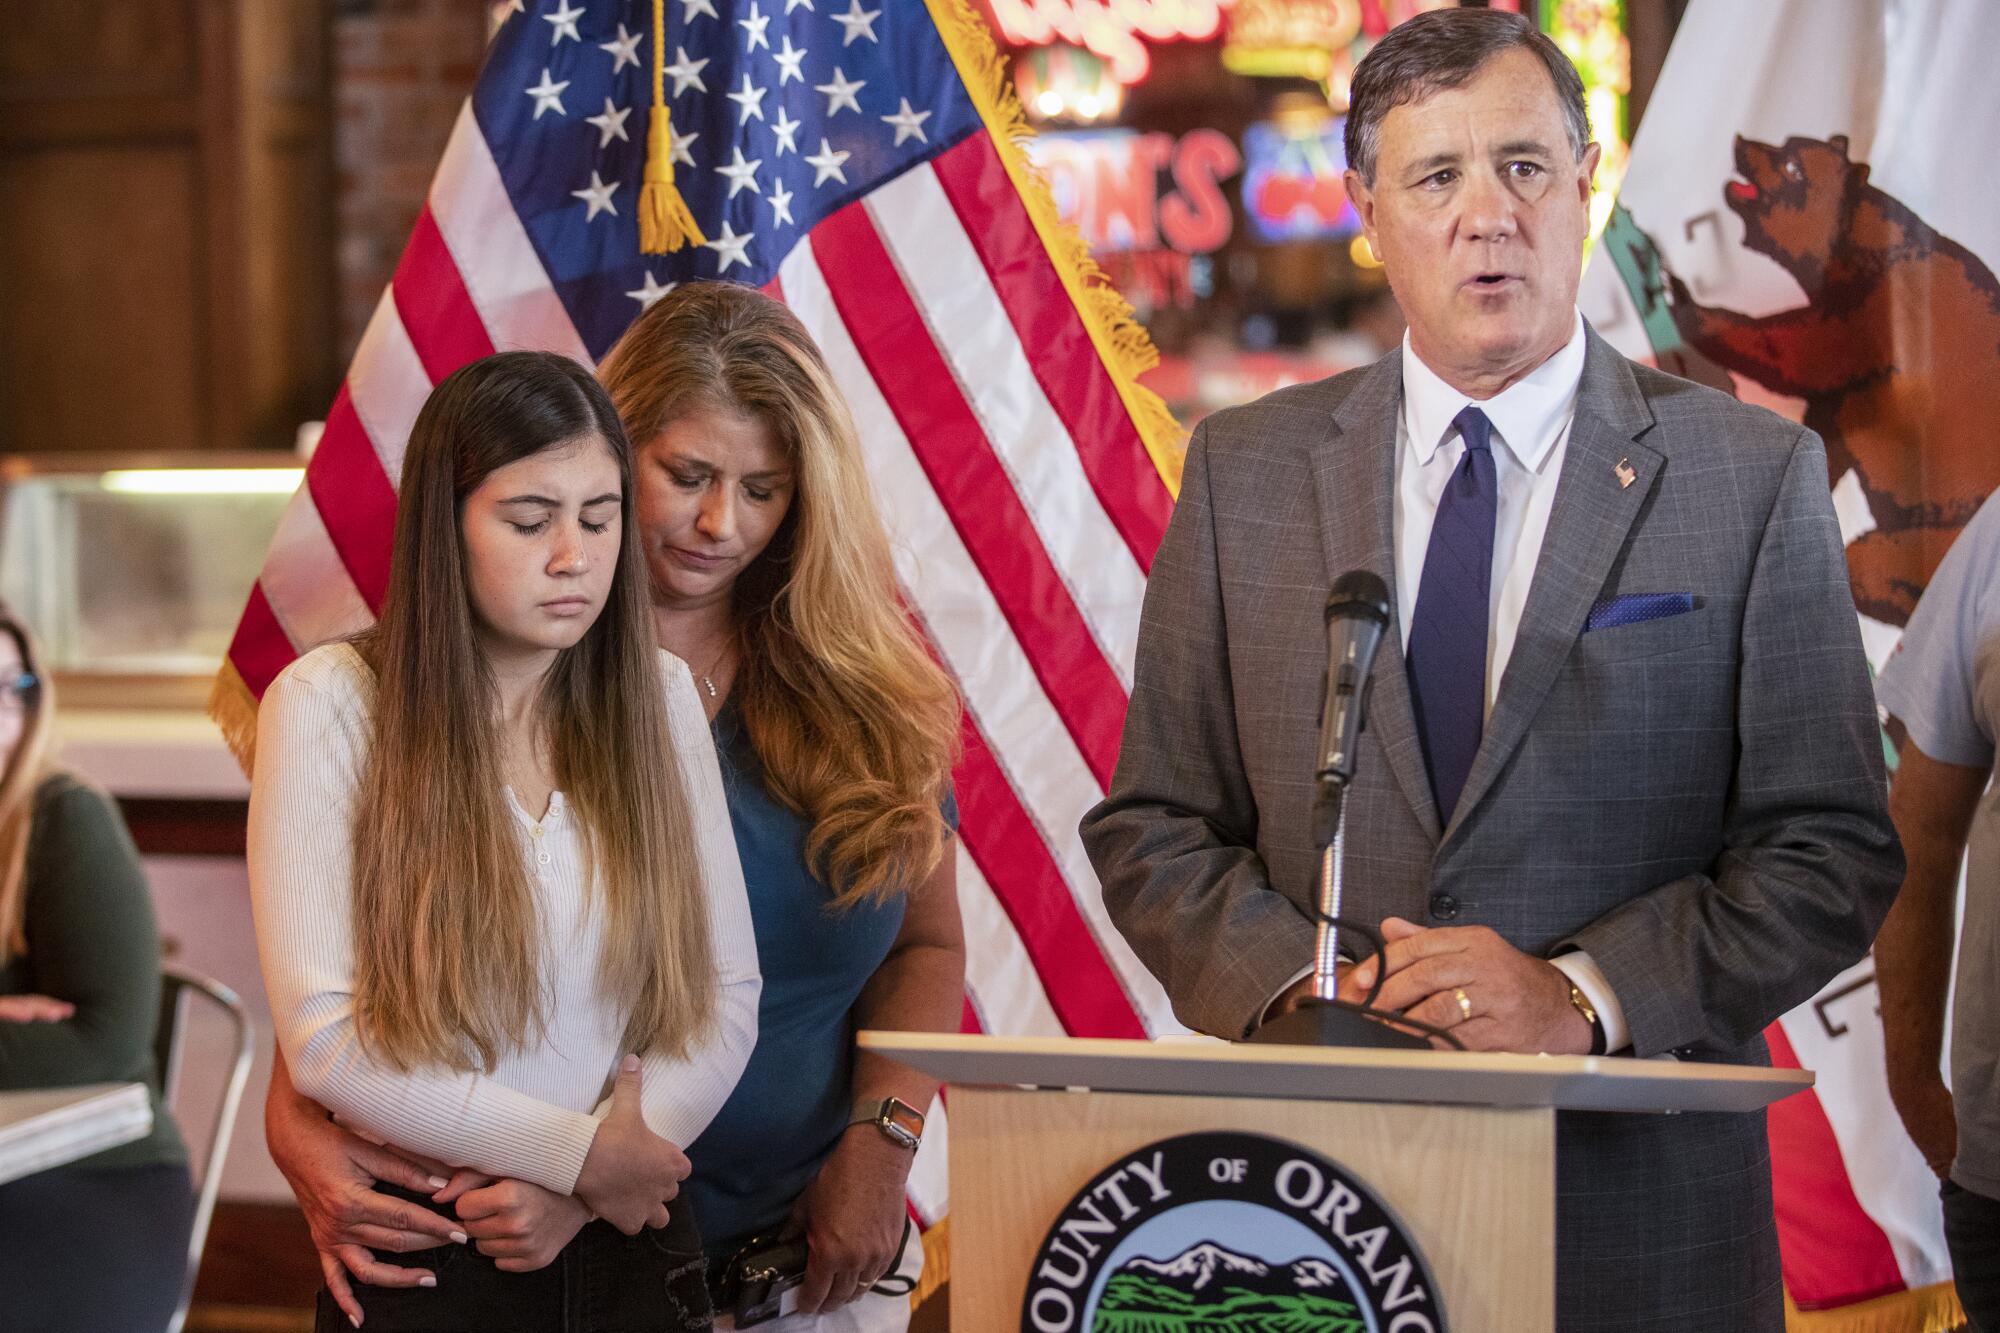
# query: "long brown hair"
(855, 723)
(447, 960)
(25, 770)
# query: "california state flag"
(1811, 221)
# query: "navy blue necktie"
(1447, 655)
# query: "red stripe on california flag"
(261, 648)
(1052, 333)
(437, 311)
(1082, 989)
(1833, 1252)
(355, 500)
(974, 489)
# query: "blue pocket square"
(1634, 607)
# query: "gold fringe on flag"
(1123, 344)
(665, 224)
(234, 711)
(937, 1262)
(1933, 1309)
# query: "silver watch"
(901, 1123)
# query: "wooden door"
(165, 238)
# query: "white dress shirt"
(1531, 420)
(1530, 437)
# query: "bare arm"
(920, 986)
(1932, 803)
(854, 1211)
(333, 1174)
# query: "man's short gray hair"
(1441, 49)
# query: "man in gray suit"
(1622, 786)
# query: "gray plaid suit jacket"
(1698, 801)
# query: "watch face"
(902, 1122)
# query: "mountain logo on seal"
(1207, 1287)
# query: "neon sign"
(1292, 186)
(1108, 182)
(1116, 31)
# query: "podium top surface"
(1204, 1067)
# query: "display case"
(132, 570)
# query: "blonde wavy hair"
(26, 768)
(854, 721)
(447, 960)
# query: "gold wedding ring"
(1464, 1003)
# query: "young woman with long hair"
(490, 856)
(100, 1243)
(772, 577)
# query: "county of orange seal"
(1236, 1231)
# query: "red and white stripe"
(1823, 1228)
(1857, 1207)
(969, 562)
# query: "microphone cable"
(1366, 1008)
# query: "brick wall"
(401, 69)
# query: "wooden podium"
(1459, 1149)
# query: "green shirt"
(92, 942)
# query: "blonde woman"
(771, 577)
(771, 573)
(490, 863)
(79, 999)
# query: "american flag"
(857, 161)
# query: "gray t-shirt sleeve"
(1930, 682)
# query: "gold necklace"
(708, 676)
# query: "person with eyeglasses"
(100, 1243)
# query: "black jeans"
(1972, 1231)
(602, 1282)
(84, 1249)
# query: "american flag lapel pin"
(1626, 473)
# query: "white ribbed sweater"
(532, 1118)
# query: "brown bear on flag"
(1897, 356)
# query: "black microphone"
(1357, 611)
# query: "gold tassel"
(665, 224)
(1933, 1309)
(1122, 342)
(234, 711)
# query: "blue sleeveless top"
(793, 1101)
